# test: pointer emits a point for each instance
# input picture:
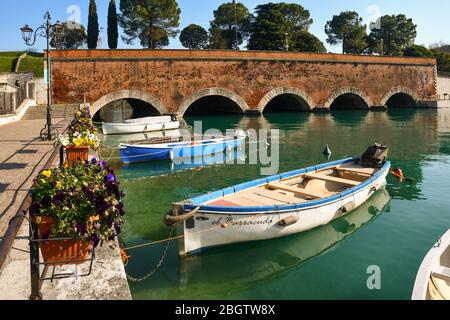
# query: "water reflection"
(158, 168)
(227, 270)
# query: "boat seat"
(346, 182)
(351, 170)
(285, 187)
(442, 273)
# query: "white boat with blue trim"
(148, 124)
(276, 206)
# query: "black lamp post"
(47, 30)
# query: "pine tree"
(93, 29)
(113, 32)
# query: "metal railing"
(15, 225)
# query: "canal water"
(393, 231)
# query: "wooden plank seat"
(352, 170)
(442, 273)
(346, 182)
(307, 193)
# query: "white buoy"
(327, 150)
(171, 155)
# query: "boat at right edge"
(433, 278)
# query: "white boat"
(140, 125)
(276, 206)
(433, 278)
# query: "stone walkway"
(22, 156)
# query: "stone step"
(58, 111)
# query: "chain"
(158, 265)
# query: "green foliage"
(83, 199)
(223, 28)
(74, 36)
(347, 29)
(442, 58)
(417, 51)
(93, 28)
(194, 37)
(305, 41)
(397, 33)
(113, 29)
(274, 21)
(150, 21)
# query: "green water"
(393, 230)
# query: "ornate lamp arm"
(41, 31)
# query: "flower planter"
(75, 154)
(61, 252)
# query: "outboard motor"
(375, 156)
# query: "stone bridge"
(186, 82)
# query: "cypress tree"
(93, 29)
(113, 32)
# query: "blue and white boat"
(132, 153)
(276, 206)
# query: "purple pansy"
(81, 228)
(94, 161)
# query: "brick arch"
(284, 90)
(127, 94)
(336, 94)
(396, 90)
(222, 92)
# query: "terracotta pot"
(61, 252)
(75, 154)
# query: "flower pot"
(75, 154)
(61, 252)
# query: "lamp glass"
(26, 33)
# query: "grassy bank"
(33, 62)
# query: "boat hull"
(439, 254)
(126, 128)
(210, 228)
(135, 154)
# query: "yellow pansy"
(59, 185)
(47, 173)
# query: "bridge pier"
(378, 108)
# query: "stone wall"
(171, 80)
(443, 86)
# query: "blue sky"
(431, 16)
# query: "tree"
(93, 29)
(231, 20)
(417, 51)
(443, 58)
(73, 36)
(150, 21)
(113, 31)
(396, 33)
(305, 41)
(347, 29)
(194, 37)
(276, 22)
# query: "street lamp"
(47, 30)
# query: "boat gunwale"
(249, 210)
